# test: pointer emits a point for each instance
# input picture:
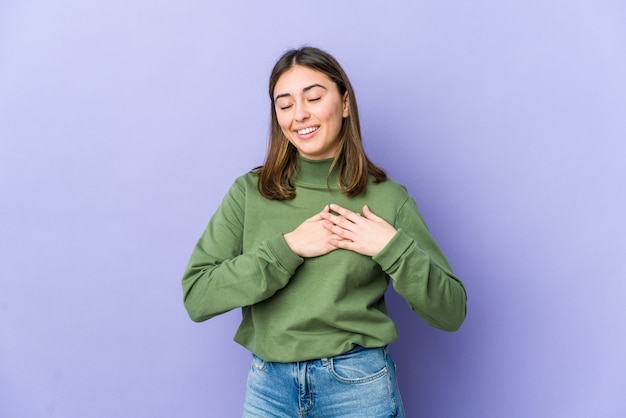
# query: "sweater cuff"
(287, 258)
(393, 251)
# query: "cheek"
(333, 116)
(285, 127)
(283, 121)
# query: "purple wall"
(122, 124)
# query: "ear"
(346, 105)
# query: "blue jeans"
(360, 384)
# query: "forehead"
(298, 77)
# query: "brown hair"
(281, 161)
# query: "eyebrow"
(304, 90)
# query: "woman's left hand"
(367, 234)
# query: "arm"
(420, 272)
(410, 256)
(219, 277)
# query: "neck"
(315, 172)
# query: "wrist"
(288, 237)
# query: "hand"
(367, 234)
(310, 238)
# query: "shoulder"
(243, 186)
(390, 189)
(388, 199)
(246, 182)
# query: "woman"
(306, 245)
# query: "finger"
(341, 243)
(339, 221)
(337, 238)
(336, 230)
(320, 215)
(370, 215)
(346, 213)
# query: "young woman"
(306, 245)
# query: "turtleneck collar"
(315, 172)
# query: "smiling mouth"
(308, 130)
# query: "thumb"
(369, 214)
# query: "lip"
(310, 130)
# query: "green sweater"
(297, 309)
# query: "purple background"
(123, 123)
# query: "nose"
(301, 112)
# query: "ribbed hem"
(287, 258)
(393, 251)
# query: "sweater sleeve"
(219, 277)
(420, 272)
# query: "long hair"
(281, 162)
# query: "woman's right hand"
(310, 238)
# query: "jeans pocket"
(258, 363)
(359, 367)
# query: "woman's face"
(310, 110)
